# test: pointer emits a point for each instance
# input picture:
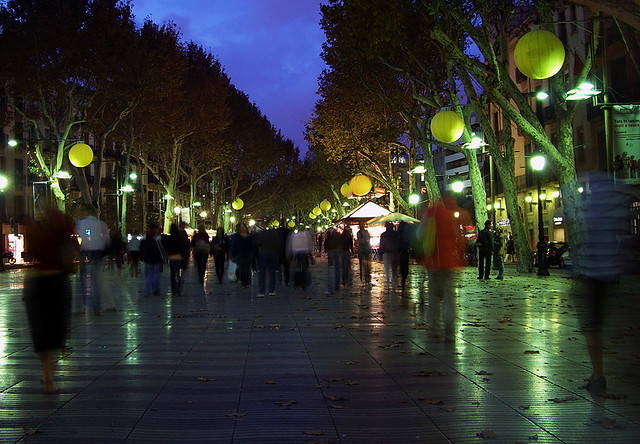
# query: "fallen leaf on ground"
(487, 434)
(335, 398)
(205, 379)
(533, 438)
(352, 383)
(532, 352)
(483, 372)
(336, 406)
(275, 327)
(447, 409)
(236, 415)
(613, 396)
(559, 400)
(271, 382)
(285, 403)
(313, 432)
(609, 423)
(435, 401)
(523, 407)
(335, 380)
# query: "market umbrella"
(392, 217)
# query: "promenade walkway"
(219, 364)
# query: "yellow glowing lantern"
(539, 54)
(291, 224)
(447, 126)
(325, 205)
(312, 216)
(80, 155)
(276, 223)
(237, 204)
(317, 211)
(345, 189)
(360, 184)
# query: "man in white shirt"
(94, 236)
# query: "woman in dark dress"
(47, 290)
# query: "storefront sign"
(626, 142)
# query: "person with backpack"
(200, 251)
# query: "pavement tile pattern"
(219, 364)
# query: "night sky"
(270, 49)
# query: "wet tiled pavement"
(219, 364)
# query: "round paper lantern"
(325, 205)
(360, 184)
(276, 223)
(80, 155)
(539, 54)
(317, 211)
(291, 224)
(447, 126)
(312, 216)
(237, 204)
(345, 189)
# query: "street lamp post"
(537, 164)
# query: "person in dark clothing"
(404, 233)
(364, 253)
(332, 248)
(389, 252)
(47, 290)
(220, 252)
(242, 253)
(200, 248)
(346, 250)
(269, 247)
(153, 254)
(485, 250)
(177, 252)
(284, 258)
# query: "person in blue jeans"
(270, 247)
(485, 250)
(153, 255)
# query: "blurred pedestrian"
(268, 246)
(485, 250)
(242, 253)
(447, 256)
(599, 261)
(404, 238)
(220, 251)
(153, 254)
(133, 252)
(177, 252)
(346, 250)
(284, 265)
(332, 248)
(117, 249)
(498, 252)
(200, 250)
(364, 253)
(47, 290)
(300, 247)
(389, 252)
(94, 242)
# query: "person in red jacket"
(447, 256)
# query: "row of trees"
(393, 65)
(82, 70)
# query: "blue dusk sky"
(270, 49)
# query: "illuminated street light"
(133, 176)
(12, 143)
(177, 210)
(63, 175)
(414, 199)
(203, 214)
(584, 91)
(537, 163)
(168, 197)
(127, 189)
(457, 186)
